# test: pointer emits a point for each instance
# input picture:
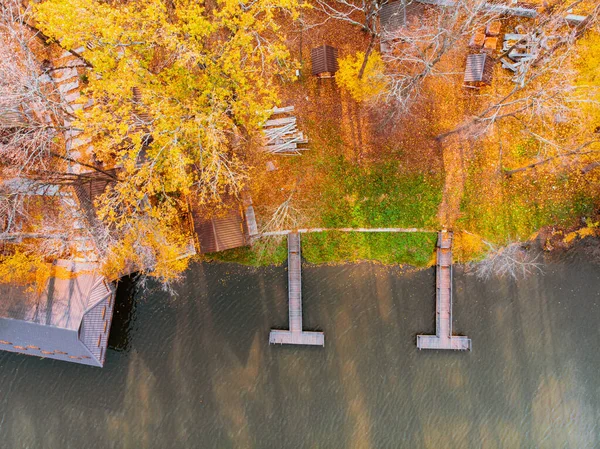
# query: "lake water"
(196, 370)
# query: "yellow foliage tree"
(371, 84)
(179, 91)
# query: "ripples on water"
(196, 370)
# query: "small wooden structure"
(324, 61)
(519, 9)
(479, 70)
(493, 28)
(90, 186)
(234, 229)
(477, 40)
(490, 44)
(394, 17)
(443, 338)
(221, 233)
(295, 335)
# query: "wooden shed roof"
(324, 60)
(479, 69)
(221, 233)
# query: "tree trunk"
(366, 58)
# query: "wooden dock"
(295, 335)
(443, 338)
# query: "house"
(69, 320)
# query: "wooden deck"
(295, 335)
(283, 337)
(443, 339)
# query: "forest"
(123, 121)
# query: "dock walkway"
(443, 338)
(295, 335)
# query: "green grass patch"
(389, 248)
(524, 208)
(264, 252)
(379, 195)
(335, 247)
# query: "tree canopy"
(179, 91)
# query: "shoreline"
(552, 240)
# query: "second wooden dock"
(443, 338)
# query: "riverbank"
(362, 170)
(406, 249)
(414, 249)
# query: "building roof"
(69, 320)
(392, 16)
(93, 185)
(324, 60)
(479, 69)
(221, 233)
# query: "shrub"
(370, 85)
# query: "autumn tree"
(179, 91)
(363, 14)
(370, 85)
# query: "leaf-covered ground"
(369, 167)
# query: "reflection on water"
(123, 316)
(196, 370)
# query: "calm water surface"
(196, 370)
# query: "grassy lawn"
(389, 248)
(377, 195)
(524, 205)
(271, 252)
(337, 247)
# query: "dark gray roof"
(69, 320)
(392, 16)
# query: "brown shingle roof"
(479, 69)
(324, 60)
(221, 233)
